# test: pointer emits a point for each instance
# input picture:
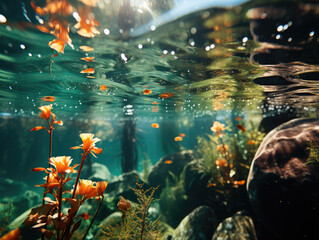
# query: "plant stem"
(67, 229)
(78, 176)
(97, 210)
(50, 155)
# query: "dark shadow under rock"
(284, 189)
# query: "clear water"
(255, 60)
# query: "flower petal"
(97, 150)
(38, 128)
(76, 147)
(59, 123)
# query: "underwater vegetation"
(173, 195)
(225, 155)
(313, 151)
(136, 222)
(52, 218)
(5, 213)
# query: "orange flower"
(222, 148)
(221, 162)
(52, 181)
(45, 111)
(124, 205)
(86, 189)
(62, 164)
(217, 128)
(88, 145)
(100, 187)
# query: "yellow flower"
(88, 145)
(62, 164)
(45, 111)
(86, 189)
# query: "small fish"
(241, 182)
(89, 76)
(155, 125)
(154, 102)
(166, 95)
(241, 127)
(211, 185)
(103, 87)
(178, 139)
(238, 119)
(147, 91)
(88, 70)
(182, 134)
(86, 48)
(145, 86)
(251, 142)
(88, 59)
(168, 162)
(48, 98)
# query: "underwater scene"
(159, 119)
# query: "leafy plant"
(50, 218)
(136, 223)
(173, 195)
(226, 157)
(5, 213)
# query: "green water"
(257, 61)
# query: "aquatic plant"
(226, 158)
(5, 214)
(50, 218)
(313, 151)
(173, 195)
(46, 114)
(136, 223)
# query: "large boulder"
(200, 224)
(236, 227)
(283, 188)
(173, 163)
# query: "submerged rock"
(200, 224)
(122, 187)
(284, 189)
(236, 227)
(97, 172)
(10, 188)
(177, 162)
